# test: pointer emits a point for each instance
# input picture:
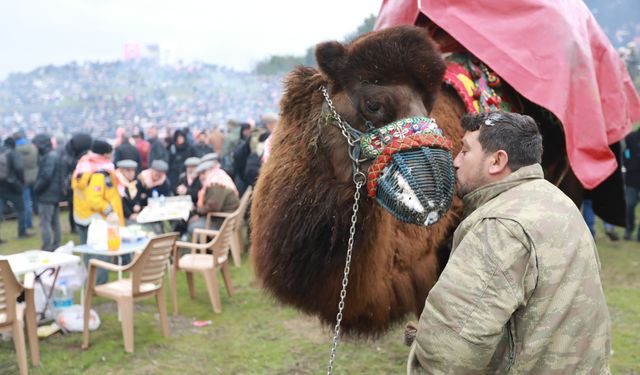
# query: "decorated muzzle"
(412, 172)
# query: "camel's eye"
(373, 106)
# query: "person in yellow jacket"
(95, 194)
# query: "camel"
(302, 206)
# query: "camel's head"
(383, 86)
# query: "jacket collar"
(485, 193)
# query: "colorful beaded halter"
(479, 88)
(402, 135)
(374, 141)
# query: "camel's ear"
(330, 57)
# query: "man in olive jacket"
(521, 292)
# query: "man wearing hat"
(189, 182)
(95, 194)
(126, 174)
(153, 180)
(218, 193)
(189, 185)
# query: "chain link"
(345, 278)
(349, 132)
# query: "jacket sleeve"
(45, 174)
(95, 194)
(18, 166)
(467, 311)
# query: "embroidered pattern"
(479, 88)
(374, 141)
(406, 143)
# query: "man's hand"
(410, 331)
(181, 189)
(137, 208)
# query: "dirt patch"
(309, 328)
(109, 307)
(179, 325)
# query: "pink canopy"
(553, 53)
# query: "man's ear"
(499, 162)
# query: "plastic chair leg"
(227, 278)
(192, 287)
(162, 310)
(21, 349)
(86, 316)
(125, 309)
(174, 291)
(212, 288)
(32, 333)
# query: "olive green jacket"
(521, 293)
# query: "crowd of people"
(96, 97)
(100, 178)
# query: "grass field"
(256, 335)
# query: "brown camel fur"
(302, 206)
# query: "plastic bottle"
(62, 297)
(113, 232)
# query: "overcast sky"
(233, 33)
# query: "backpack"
(5, 167)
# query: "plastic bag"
(72, 275)
(97, 234)
(71, 319)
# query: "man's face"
(156, 175)
(152, 132)
(190, 170)
(129, 173)
(471, 165)
(203, 176)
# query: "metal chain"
(359, 179)
(347, 133)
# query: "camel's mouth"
(412, 176)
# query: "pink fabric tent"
(553, 53)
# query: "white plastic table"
(20, 264)
(167, 208)
(46, 261)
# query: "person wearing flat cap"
(218, 194)
(95, 194)
(153, 179)
(127, 187)
(189, 183)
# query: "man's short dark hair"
(516, 134)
